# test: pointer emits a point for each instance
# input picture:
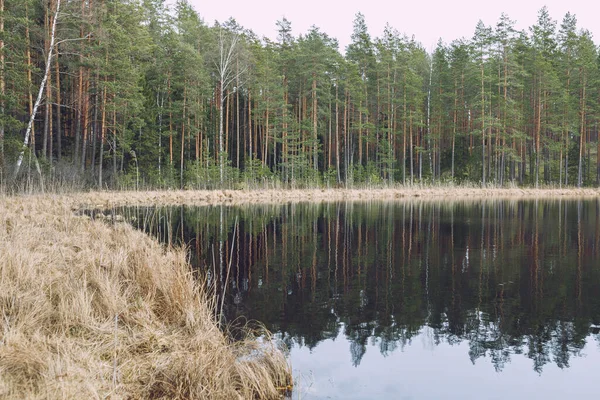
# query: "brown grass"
(90, 311)
(207, 197)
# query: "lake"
(409, 300)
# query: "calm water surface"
(413, 300)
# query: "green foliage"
(330, 178)
(142, 77)
(208, 176)
(256, 174)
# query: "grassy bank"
(95, 311)
(211, 197)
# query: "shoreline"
(108, 307)
(282, 196)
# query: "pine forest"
(141, 94)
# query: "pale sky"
(426, 20)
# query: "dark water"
(492, 299)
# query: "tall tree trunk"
(183, 142)
(504, 115)
(95, 135)
(114, 145)
(390, 127)
(538, 128)
(102, 135)
(85, 119)
(346, 103)
(250, 148)
(221, 148)
(266, 144)
(226, 76)
(160, 100)
(170, 135)
(256, 144)
(582, 130)
(48, 105)
(410, 146)
(454, 117)
(404, 134)
(337, 134)
(58, 112)
(482, 124)
(29, 73)
(360, 138)
(329, 137)
(284, 134)
(40, 93)
(429, 122)
(79, 102)
(198, 130)
(123, 130)
(315, 137)
(597, 158)
(228, 102)
(237, 111)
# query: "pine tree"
(139, 88)
(567, 41)
(587, 68)
(481, 48)
(544, 86)
(361, 53)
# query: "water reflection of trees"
(510, 277)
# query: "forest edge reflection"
(507, 277)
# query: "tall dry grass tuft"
(90, 310)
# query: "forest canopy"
(137, 93)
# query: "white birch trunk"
(227, 49)
(40, 93)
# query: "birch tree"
(227, 72)
(40, 92)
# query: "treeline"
(134, 93)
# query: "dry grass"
(205, 197)
(90, 310)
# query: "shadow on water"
(498, 278)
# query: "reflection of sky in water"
(513, 284)
(423, 370)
